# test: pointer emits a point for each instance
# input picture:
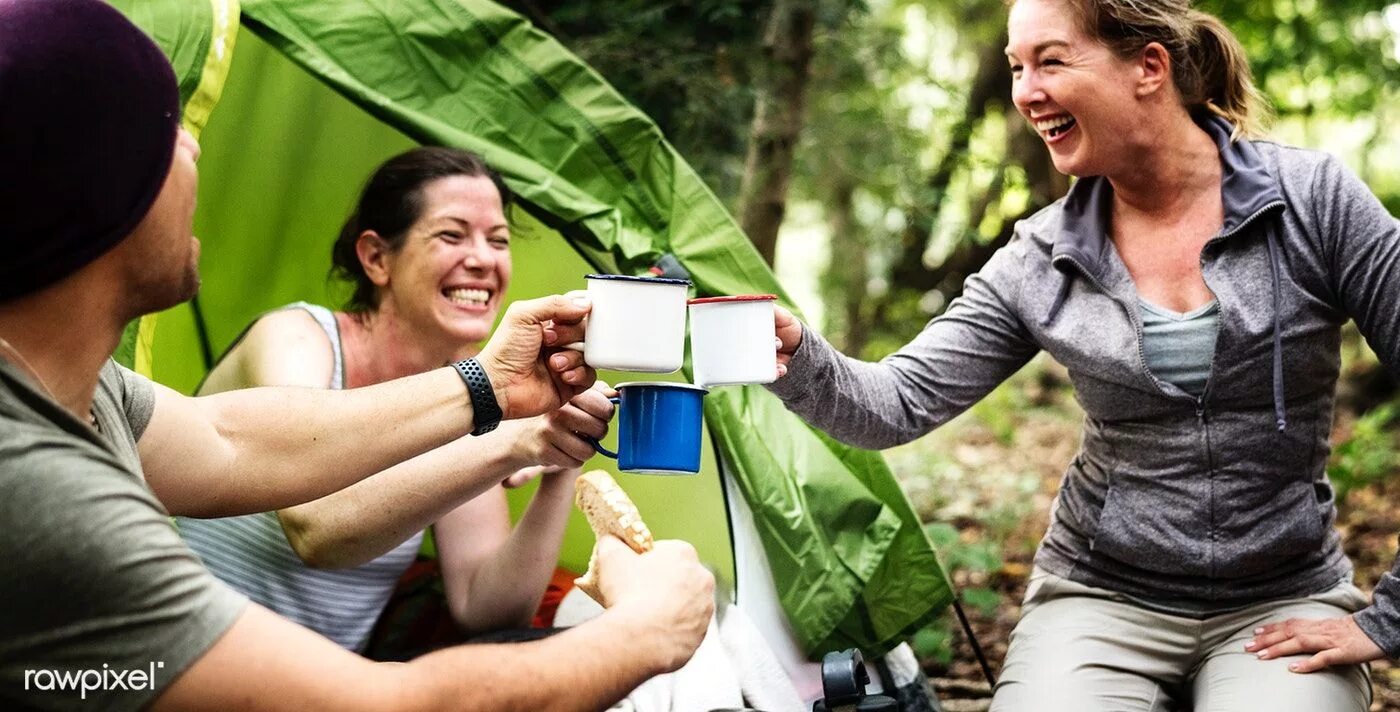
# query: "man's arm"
(270, 448)
(355, 525)
(662, 605)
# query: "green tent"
(318, 92)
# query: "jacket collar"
(1246, 188)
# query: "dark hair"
(391, 202)
(1209, 66)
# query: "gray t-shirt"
(101, 603)
(1179, 347)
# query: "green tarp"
(850, 560)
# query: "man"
(102, 603)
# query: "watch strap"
(486, 411)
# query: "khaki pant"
(1084, 649)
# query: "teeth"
(469, 296)
(1054, 123)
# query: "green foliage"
(1369, 454)
(983, 557)
(983, 600)
(906, 316)
(687, 64)
(1000, 412)
(934, 643)
(976, 557)
(1316, 56)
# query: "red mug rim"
(736, 298)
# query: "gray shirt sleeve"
(1361, 243)
(1381, 620)
(954, 362)
(137, 398)
(99, 582)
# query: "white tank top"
(251, 554)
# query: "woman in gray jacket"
(1194, 282)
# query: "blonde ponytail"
(1223, 82)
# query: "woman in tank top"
(428, 254)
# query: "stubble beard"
(151, 291)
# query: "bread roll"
(610, 512)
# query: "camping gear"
(636, 324)
(658, 429)
(815, 539)
(732, 340)
(843, 682)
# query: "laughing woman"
(1194, 282)
(428, 254)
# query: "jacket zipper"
(1202, 412)
(1220, 323)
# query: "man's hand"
(666, 590)
(556, 439)
(530, 374)
(789, 332)
(1336, 641)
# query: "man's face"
(162, 265)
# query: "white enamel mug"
(732, 340)
(636, 324)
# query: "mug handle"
(597, 446)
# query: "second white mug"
(732, 340)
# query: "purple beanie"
(89, 107)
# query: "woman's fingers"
(594, 401)
(1335, 641)
(1321, 661)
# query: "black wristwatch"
(486, 412)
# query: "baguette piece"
(610, 512)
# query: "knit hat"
(89, 109)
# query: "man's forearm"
(281, 447)
(550, 675)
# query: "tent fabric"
(850, 560)
(198, 38)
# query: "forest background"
(870, 151)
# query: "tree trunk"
(777, 122)
(989, 86)
(847, 273)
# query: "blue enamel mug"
(658, 430)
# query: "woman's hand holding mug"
(789, 335)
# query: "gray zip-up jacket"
(1222, 498)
